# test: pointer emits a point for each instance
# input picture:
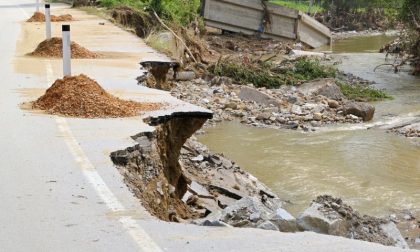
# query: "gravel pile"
(80, 96)
(40, 17)
(53, 48)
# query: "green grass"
(298, 6)
(264, 75)
(362, 93)
(178, 12)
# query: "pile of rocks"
(225, 195)
(410, 130)
(408, 222)
(306, 107)
(331, 216)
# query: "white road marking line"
(139, 235)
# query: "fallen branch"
(176, 36)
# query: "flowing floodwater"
(374, 171)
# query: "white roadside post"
(48, 21)
(37, 5)
(66, 50)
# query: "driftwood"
(395, 65)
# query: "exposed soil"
(40, 17)
(142, 23)
(80, 96)
(53, 48)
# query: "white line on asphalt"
(140, 236)
(137, 233)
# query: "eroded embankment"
(178, 179)
(151, 168)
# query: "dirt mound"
(81, 96)
(40, 17)
(53, 48)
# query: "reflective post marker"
(37, 5)
(66, 50)
(48, 21)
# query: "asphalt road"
(58, 188)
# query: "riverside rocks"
(363, 110)
(285, 107)
(330, 215)
(410, 130)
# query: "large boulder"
(360, 109)
(252, 94)
(328, 215)
(315, 220)
(325, 87)
(391, 230)
(252, 212)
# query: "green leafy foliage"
(263, 75)
(180, 12)
(362, 93)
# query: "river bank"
(167, 192)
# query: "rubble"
(331, 216)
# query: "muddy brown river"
(376, 172)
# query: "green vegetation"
(362, 93)
(304, 7)
(180, 12)
(264, 75)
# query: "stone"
(360, 109)
(296, 109)
(325, 87)
(268, 225)
(198, 158)
(333, 104)
(252, 94)
(312, 219)
(317, 116)
(231, 105)
(246, 212)
(199, 189)
(391, 230)
(218, 81)
(284, 221)
(292, 99)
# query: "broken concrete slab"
(325, 87)
(252, 94)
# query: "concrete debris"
(324, 87)
(331, 216)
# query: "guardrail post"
(66, 50)
(48, 21)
